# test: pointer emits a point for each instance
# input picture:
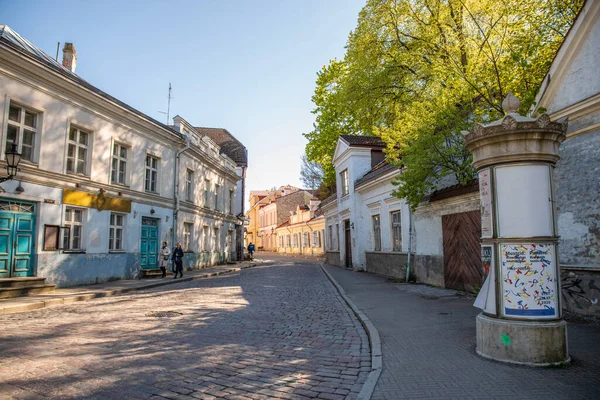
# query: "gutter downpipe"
(176, 190)
(410, 243)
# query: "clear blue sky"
(248, 66)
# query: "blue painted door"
(149, 244)
(16, 241)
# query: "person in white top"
(163, 256)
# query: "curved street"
(278, 331)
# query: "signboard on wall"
(528, 274)
(485, 194)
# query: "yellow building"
(304, 233)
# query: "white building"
(101, 184)
(366, 227)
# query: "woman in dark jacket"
(178, 259)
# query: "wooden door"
(23, 245)
(149, 243)
(348, 241)
(462, 251)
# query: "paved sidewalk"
(88, 292)
(428, 347)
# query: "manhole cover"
(163, 314)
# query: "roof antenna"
(168, 105)
(57, 48)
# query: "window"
(288, 240)
(217, 189)
(280, 241)
(188, 228)
(119, 164)
(189, 182)
(115, 241)
(216, 235)
(22, 130)
(344, 182)
(207, 193)
(206, 237)
(151, 173)
(231, 205)
(396, 231)
(77, 151)
(72, 236)
(376, 232)
(305, 241)
(337, 236)
(317, 239)
(330, 237)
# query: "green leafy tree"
(417, 72)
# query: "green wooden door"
(17, 230)
(149, 244)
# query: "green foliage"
(417, 72)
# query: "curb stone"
(30, 304)
(374, 341)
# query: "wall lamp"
(13, 157)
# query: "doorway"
(348, 241)
(149, 243)
(17, 232)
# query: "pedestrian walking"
(178, 260)
(164, 255)
(251, 250)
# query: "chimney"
(69, 57)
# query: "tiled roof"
(455, 190)
(328, 200)
(230, 146)
(286, 223)
(15, 41)
(369, 141)
(380, 169)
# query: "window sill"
(120, 184)
(79, 175)
(117, 251)
(74, 252)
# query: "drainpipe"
(176, 189)
(410, 243)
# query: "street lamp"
(13, 157)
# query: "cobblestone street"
(269, 332)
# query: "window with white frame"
(376, 232)
(337, 236)
(77, 151)
(217, 241)
(217, 190)
(396, 218)
(151, 174)
(207, 193)
(22, 130)
(206, 238)
(189, 185)
(72, 239)
(231, 205)
(119, 164)
(288, 240)
(330, 237)
(317, 239)
(188, 229)
(280, 241)
(344, 182)
(117, 225)
(305, 240)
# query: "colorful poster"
(485, 195)
(487, 258)
(529, 280)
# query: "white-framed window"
(288, 240)
(188, 232)
(116, 232)
(77, 151)
(217, 241)
(206, 238)
(21, 130)
(330, 237)
(189, 185)
(344, 182)
(74, 220)
(305, 240)
(376, 232)
(337, 236)
(396, 217)
(217, 190)
(118, 172)
(231, 205)
(207, 193)
(151, 181)
(316, 239)
(280, 241)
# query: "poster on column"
(529, 280)
(485, 195)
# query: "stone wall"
(333, 258)
(581, 290)
(392, 265)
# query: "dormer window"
(344, 182)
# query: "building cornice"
(383, 179)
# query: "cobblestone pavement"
(428, 346)
(277, 331)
